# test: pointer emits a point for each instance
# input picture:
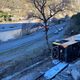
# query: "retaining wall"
(9, 31)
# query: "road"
(35, 36)
(18, 52)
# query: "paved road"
(35, 36)
(25, 46)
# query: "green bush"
(6, 16)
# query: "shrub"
(6, 16)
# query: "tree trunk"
(47, 39)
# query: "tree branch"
(53, 14)
(38, 17)
(41, 6)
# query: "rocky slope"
(24, 7)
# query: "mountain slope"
(23, 7)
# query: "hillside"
(21, 8)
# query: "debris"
(54, 70)
(31, 76)
(75, 74)
(55, 61)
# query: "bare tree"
(53, 9)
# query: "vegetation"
(24, 7)
(4, 16)
(74, 25)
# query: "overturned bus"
(67, 49)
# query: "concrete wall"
(8, 35)
(10, 31)
(14, 30)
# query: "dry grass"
(23, 7)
